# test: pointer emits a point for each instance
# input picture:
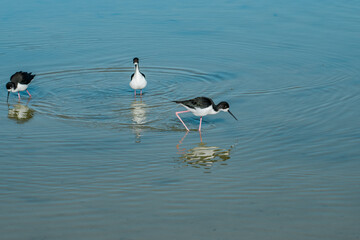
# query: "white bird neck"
(137, 70)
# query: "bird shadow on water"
(201, 156)
(20, 113)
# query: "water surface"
(84, 159)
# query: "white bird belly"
(200, 112)
(20, 87)
(138, 82)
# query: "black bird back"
(22, 77)
(199, 102)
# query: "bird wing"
(27, 78)
(201, 102)
(22, 77)
(16, 77)
(143, 74)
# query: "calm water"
(84, 159)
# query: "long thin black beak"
(7, 100)
(232, 114)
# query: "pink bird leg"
(180, 118)
(28, 92)
(200, 124)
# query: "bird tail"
(32, 75)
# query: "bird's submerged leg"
(177, 114)
(28, 93)
(141, 92)
(19, 96)
(200, 124)
(135, 93)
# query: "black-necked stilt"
(19, 81)
(202, 106)
(138, 80)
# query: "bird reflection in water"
(21, 113)
(202, 156)
(138, 110)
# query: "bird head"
(136, 61)
(224, 106)
(10, 86)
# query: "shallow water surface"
(85, 159)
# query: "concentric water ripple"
(85, 158)
(102, 96)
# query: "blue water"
(84, 159)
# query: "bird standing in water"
(19, 81)
(202, 106)
(138, 80)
